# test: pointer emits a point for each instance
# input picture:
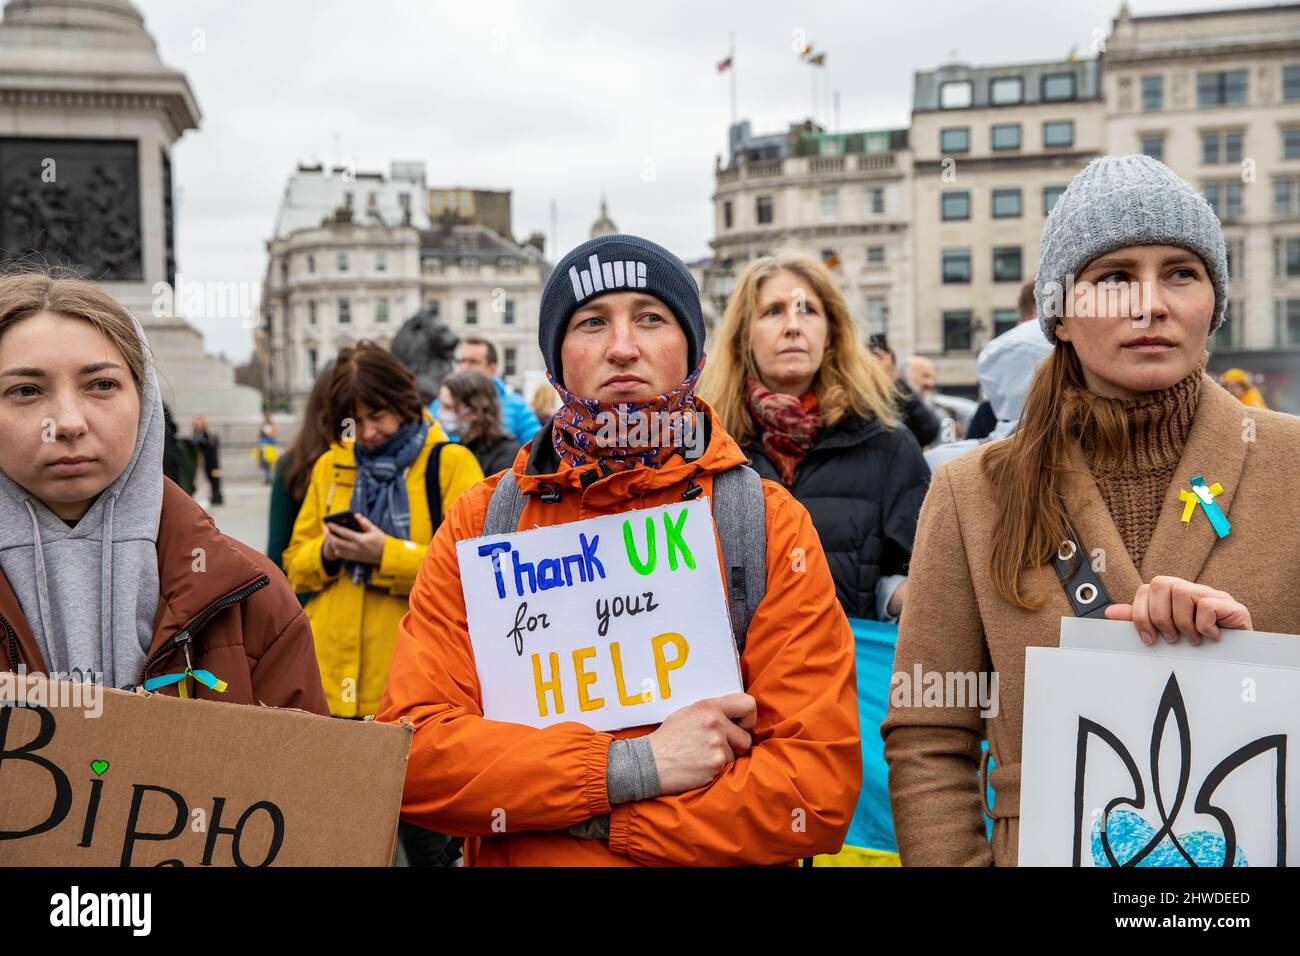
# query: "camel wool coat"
(954, 620)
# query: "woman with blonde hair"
(814, 410)
(1120, 423)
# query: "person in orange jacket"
(765, 777)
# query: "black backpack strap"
(433, 485)
(1083, 587)
(506, 507)
(740, 515)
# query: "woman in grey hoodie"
(109, 571)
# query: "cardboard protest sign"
(614, 621)
(1157, 759)
(149, 780)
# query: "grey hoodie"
(1006, 368)
(90, 593)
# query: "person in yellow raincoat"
(374, 469)
(1237, 382)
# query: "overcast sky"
(550, 100)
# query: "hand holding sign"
(695, 744)
(1173, 607)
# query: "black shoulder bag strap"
(433, 485)
(1083, 587)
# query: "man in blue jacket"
(480, 355)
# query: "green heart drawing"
(99, 766)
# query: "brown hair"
(479, 393)
(368, 374)
(1025, 472)
(25, 294)
(850, 379)
(1027, 306)
(312, 440)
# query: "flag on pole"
(818, 60)
(724, 65)
(806, 52)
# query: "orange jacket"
(505, 785)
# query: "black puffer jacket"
(862, 484)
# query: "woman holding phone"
(366, 521)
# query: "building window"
(763, 210)
(957, 331)
(830, 203)
(1050, 195)
(1291, 142)
(726, 214)
(1221, 147)
(1286, 197)
(1224, 199)
(1154, 146)
(876, 314)
(1153, 93)
(311, 263)
(404, 200)
(956, 265)
(876, 200)
(875, 255)
(1286, 257)
(1006, 203)
(434, 308)
(1058, 86)
(954, 139)
(1006, 264)
(1004, 320)
(345, 312)
(955, 95)
(1006, 90)
(343, 262)
(347, 199)
(1288, 321)
(1222, 338)
(1058, 133)
(381, 262)
(1224, 88)
(955, 205)
(311, 313)
(311, 363)
(509, 317)
(1290, 83)
(1006, 136)
(1236, 254)
(510, 359)
(471, 312)
(381, 310)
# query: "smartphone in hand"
(344, 519)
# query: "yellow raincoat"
(355, 628)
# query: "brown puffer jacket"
(231, 605)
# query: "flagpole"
(732, 56)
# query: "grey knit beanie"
(1118, 201)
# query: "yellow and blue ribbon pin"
(1204, 496)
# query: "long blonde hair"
(850, 378)
(1025, 472)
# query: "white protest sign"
(614, 622)
(1156, 759)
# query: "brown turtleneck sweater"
(1134, 489)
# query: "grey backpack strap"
(506, 507)
(740, 515)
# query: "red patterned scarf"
(621, 435)
(789, 425)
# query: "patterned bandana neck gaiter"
(618, 436)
